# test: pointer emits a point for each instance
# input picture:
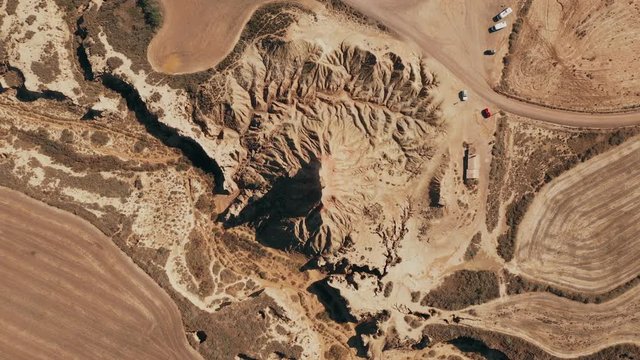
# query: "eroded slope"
(321, 135)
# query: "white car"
(499, 26)
(464, 96)
(503, 14)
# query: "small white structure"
(464, 95)
(473, 168)
(471, 163)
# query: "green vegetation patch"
(152, 13)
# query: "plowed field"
(578, 55)
(583, 231)
(562, 327)
(67, 292)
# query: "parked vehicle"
(486, 113)
(489, 52)
(503, 14)
(499, 26)
(463, 95)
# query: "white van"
(503, 14)
(498, 26)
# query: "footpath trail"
(454, 33)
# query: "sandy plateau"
(302, 181)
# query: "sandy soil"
(581, 231)
(196, 35)
(580, 55)
(70, 293)
(316, 129)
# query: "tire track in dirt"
(563, 327)
(68, 292)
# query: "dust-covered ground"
(313, 188)
(578, 55)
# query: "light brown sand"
(198, 34)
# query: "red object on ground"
(486, 113)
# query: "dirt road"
(455, 34)
(66, 292)
(563, 327)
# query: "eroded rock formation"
(317, 138)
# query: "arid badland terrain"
(301, 179)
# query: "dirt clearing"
(68, 292)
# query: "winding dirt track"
(581, 231)
(562, 327)
(67, 292)
(457, 44)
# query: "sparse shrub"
(388, 288)
(99, 138)
(462, 289)
(66, 136)
(497, 173)
(474, 247)
(515, 213)
(139, 146)
(114, 62)
(69, 5)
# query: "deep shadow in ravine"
(168, 135)
(471, 345)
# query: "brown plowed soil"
(580, 233)
(68, 292)
(578, 55)
(196, 35)
(562, 327)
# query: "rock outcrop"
(317, 139)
